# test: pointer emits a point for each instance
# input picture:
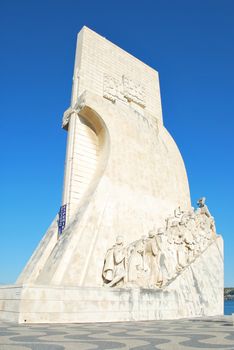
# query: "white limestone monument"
(126, 245)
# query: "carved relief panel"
(124, 89)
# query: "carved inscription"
(124, 89)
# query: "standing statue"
(189, 242)
(108, 267)
(180, 247)
(207, 217)
(152, 256)
(192, 228)
(178, 213)
(165, 258)
(137, 270)
(114, 266)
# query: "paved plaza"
(206, 333)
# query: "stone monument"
(127, 245)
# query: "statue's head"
(183, 220)
(174, 223)
(160, 231)
(177, 212)
(191, 213)
(151, 233)
(201, 201)
(119, 240)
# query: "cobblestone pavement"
(206, 333)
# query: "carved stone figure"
(180, 247)
(178, 213)
(108, 267)
(119, 254)
(67, 114)
(207, 217)
(152, 256)
(137, 270)
(165, 258)
(188, 239)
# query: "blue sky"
(190, 43)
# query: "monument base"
(46, 304)
(196, 291)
